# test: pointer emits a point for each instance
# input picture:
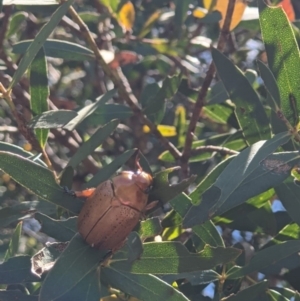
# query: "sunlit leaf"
(221, 6)
(126, 15)
(165, 130)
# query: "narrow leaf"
(59, 49)
(242, 179)
(266, 257)
(165, 192)
(52, 119)
(249, 110)
(126, 16)
(39, 92)
(107, 171)
(38, 180)
(283, 57)
(95, 140)
(61, 230)
(208, 233)
(289, 194)
(88, 110)
(73, 265)
(250, 293)
(30, 2)
(13, 246)
(16, 295)
(173, 257)
(17, 270)
(144, 287)
(39, 40)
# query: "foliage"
(215, 116)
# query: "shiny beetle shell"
(114, 209)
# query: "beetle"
(114, 208)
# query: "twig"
(120, 81)
(4, 24)
(203, 91)
(24, 130)
(213, 148)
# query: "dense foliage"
(207, 91)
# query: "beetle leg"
(69, 191)
(84, 193)
(151, 205)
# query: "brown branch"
(213, 148)
(4, 24)
(121, 83)
(225, 31)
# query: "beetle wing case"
(108, 216)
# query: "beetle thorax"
(131, 187)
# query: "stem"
(213, 148)
(120, 81)
(24, 130)
(225, 31)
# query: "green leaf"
(289, 194)
(89, 289)
(19, 211)
(11, 148)
(148, 25)
(172, 258)
(249, 110)
(181, 8)
(209, 234)
(95, 141)
(76, 262)
(155, 105)
(13, 246)
(283, 57)
(61, 230)
(144, 287)
(266, 257)
(16, 295)
(163, 191)
(16, 23)
(58, 49)
(195, 278)
(52, 119)
(39, 40)
(30, 2)
(17, 270)
(106, 113)
(270, 83)
(39, 92)
(112, 4)
(89, 109)
(242, 179)
(66, 177)
(107, 171)
(150, 228)
(219, 113)
(251, 293)
(248, 217)
(182, 203)
(38, 180)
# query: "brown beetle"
(114, 208)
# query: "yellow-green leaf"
(126, 16)
(165, 130)
(221, 6)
